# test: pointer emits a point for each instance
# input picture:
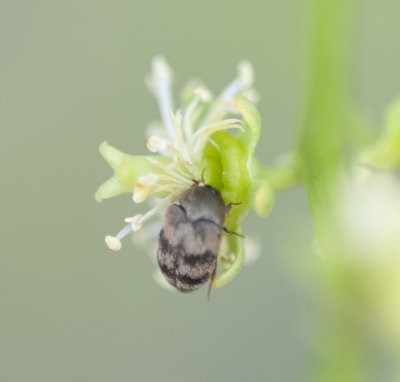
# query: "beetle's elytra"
(190, 237)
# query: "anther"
(203, 93)
(142, 187)
(135, 221)
(113, 243)
(156, 144)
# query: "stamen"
(202, 135)
(162, 204)
(148, 180)
(190, 115)
(140, 193)
(169, 187)
(188, 118)
(175, 167)
(252, 95)
(114, 242)
(230, 123)
(147, 235)
(179, 144)
(190, 173)
(156, 144)
(223, 103)
(159, 83)
(136, 222)
(203, 93)
(177, 156)
(142, 187)
(176, 178)
(158, 130)
(243, 81)
(157, 163)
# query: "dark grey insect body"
(190, 237)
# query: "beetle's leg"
(227, 230)
(213, 274)
(229, 206)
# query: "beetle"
(190, 237)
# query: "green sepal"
(250, 135)
(236, 247)
(385, 153)
(127, 169)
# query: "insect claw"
(231, 232)
(229, 206)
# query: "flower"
(191, 141)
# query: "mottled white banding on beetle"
(190, 237)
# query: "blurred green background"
(72, 75)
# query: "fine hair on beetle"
(190, 237)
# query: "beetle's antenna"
(196, 182)
(202, 176)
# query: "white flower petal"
(159, 82)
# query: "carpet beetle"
(190, 237)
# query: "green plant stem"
(280, 177)
(321, 151)
(327, 115)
